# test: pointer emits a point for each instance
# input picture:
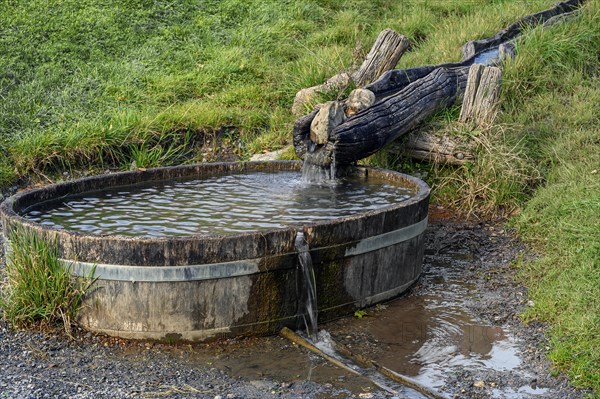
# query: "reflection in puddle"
(510, 393)
(428, 334)
(431, 331)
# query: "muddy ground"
(456, 331)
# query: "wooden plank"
(433, 147)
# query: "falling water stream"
(307, 309)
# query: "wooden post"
(480, 103)
(384, 55)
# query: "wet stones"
(305, 96)
(329, 116)
(334, 113)
(358, 100)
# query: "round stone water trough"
(202, 287)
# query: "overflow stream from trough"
(441, 334)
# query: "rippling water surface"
(218, 205)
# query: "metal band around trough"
(223, 269)
(385, 240)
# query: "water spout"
(308, 293)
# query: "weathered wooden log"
(384, 56)
(480, 103)
(559, 19)
(395, 80)
(475, 46)
(432, 147)
(394, 113)
(368, 131)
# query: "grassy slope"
(558, 76)
(90, 83)
(86, 83)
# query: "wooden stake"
(384, 55)
(482, 94)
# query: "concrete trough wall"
(206, 287)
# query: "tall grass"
(559, 73)
(88, 84)
(37, 287)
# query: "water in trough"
(226, 204)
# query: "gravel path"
(42, 365)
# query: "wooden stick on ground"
(392, 375)
(295, 338)
(292, 336)
(362, 362)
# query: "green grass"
(558, 73)
(37, 288)
(562, 219)
(90, 83)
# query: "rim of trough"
(8, 211)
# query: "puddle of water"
(510, 393)
(277, 360)
(424, 336)
(430, 332)
(487, 57)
